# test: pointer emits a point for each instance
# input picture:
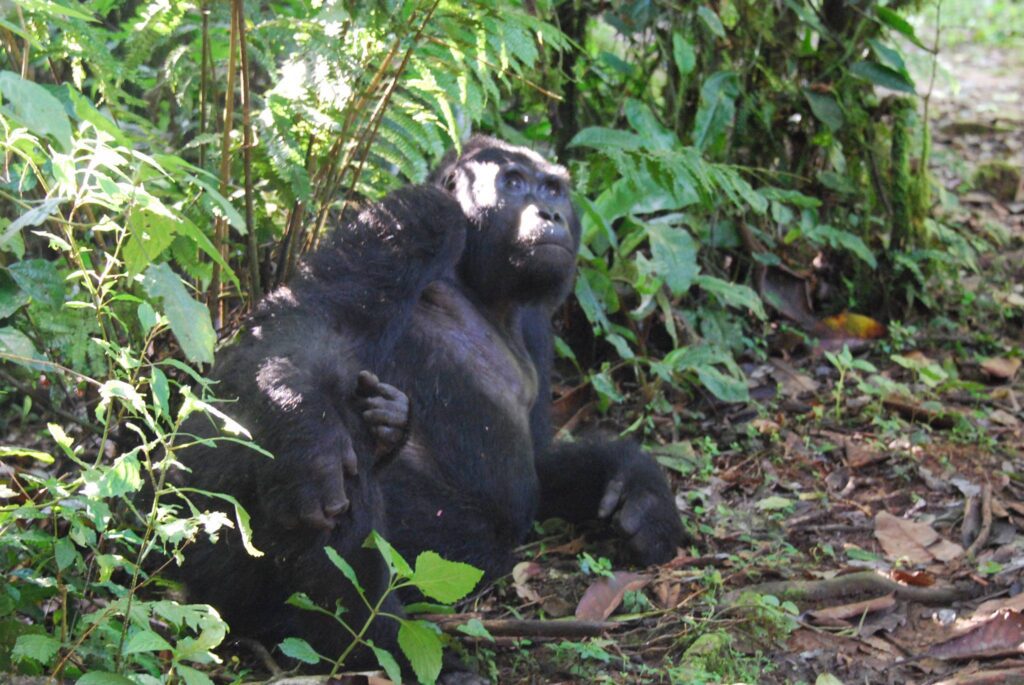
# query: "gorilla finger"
(634, 514)
(612, 496)
(349, 461)
(392, 393)
(384, 417)
(367, 384)
(388, 435)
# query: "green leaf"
(422, 647)
(716, 111)
(898, 24)
(299, 649)
(149, 234)
(825, 108)
(733, 294)
(189, 320)
(146, 641)
(388, 663)
(601, 138)
(64, 553)
(12, 298)
(475, 628)
(724, 387)
(15, 343)
(35, 108)
(147, 317)
(890, 56)
(25, 452)
(711, 20)
(37, 215)
(343, 566)
(38, 648)
(124, 392)
(192, 676)
(41, 279)
(683, 54)
(394, 560)
(883, 76)
(161, 391)
(443, 580)
(674, 255)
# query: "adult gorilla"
(402, 383)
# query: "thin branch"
(255, 288)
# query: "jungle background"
(801, 286)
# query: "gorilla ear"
(449, 182)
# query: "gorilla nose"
(550, 215)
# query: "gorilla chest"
(470, 358)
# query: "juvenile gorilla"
(402, 383)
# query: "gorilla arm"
(599, 479)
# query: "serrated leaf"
(343, 566)
(443, 580)
(884, 76)
(475, 628)
(299, 649)
(38, 648)
(64, 553)
(149, 235)
(35, 108)
(146, 641)
(39, 278)
(421, 645)
(192, 676)
(674, 255)
(388, 663)
(189, 320)
(392, 558)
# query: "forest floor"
(877, 515)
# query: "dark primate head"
(524, 233)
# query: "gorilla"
(401, 381)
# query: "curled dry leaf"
(1001, 368)
(854, 610)
(1002, 635)
(521, 575)
(605, 594)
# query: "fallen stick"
(986, 522)
(862, 582)
(500, 627)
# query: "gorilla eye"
(514, 181)
(449, 182)
(554, 188)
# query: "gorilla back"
(444, 294)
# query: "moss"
(998, 178)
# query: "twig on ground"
(863, 582)
(986, 522)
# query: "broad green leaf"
(724, 387)
(647, 125)
(716, 111)
(711, 20)
(299, 649)
(192, 676)
(898, 24)
(20, 348)
(845, 240)
(223, 205)
(146, 641)
(343, 566)
(601, 138)
(149, 234)
(35, 108)
(189, 320)
(883, 76)
(12, 297)
(161, 391)
(732, 294)
(890, 56)
(124, 392)
(674, 255)
(64, 553)
(388, 663)
(37, 215)
(825, 108)
(38, 648)
(422, 647)
(443, 580)
(683, 54)
(41, 279)
(147, 317)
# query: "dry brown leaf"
(521, 575)
(986, 609)
(605, 594)
(1002, 635)
(915, 578)
(794, 383)
(855, 325)
(1000, 367)
(915, 542)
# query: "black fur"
(445, 293)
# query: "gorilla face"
(524, 233)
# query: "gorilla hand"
(638, 501)
(385, 410)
